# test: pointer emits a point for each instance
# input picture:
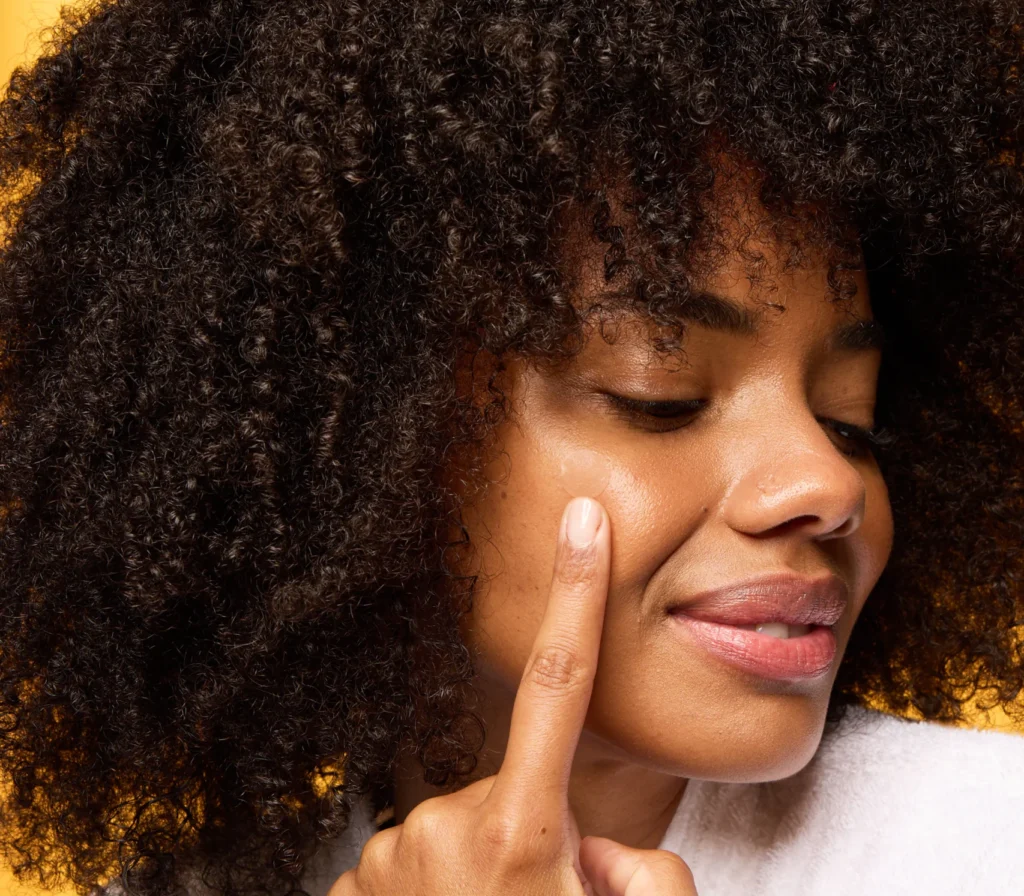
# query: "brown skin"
(753, 482)
(514, 832)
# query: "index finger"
(554, 692)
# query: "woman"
(319, 313)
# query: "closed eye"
(652, 415)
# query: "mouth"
(779, 626)
(782, 597)
(807, 654)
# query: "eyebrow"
(715, 312)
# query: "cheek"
(584, 473)
(513, 528)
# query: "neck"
(609, 794)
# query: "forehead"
(745, 272)
(734, 299)
(749, 291)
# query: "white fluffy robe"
(887, 807)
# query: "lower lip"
(806, 656)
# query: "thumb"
(616, 870)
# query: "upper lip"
(781, 597)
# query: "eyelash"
(867, 441)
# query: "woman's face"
(753, 482)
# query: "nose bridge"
(787, 471)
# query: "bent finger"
(375, 871)
(616, 870)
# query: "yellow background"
(20, 23)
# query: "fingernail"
(582, 520)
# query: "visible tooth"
(777, 629)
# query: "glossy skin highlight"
(584, 473)
(755, 481)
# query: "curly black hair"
(245, 245)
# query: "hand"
(513, 833)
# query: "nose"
(795, 478)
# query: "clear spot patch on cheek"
(585, 473)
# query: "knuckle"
(555, 667)
(514, 842)
(376, 858)
(499, 835)
(344, 885)
(426, 825)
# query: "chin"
(772, 742)
(752, 763)
(759, 738)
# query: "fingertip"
(583, 519)
(599, 857)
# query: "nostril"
(848, 526)
(798, 522)
(844, 529)
(816, 522)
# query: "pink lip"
(710, 619)
(806, 656)
(782, 597)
